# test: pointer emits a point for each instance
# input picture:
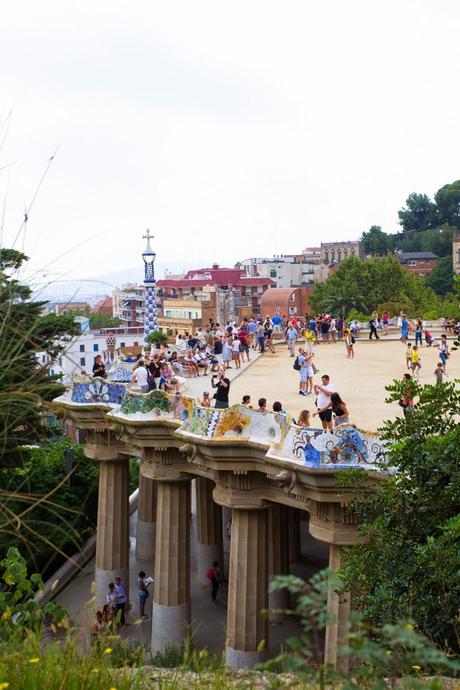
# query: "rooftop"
(410, 256)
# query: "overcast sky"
(229, 129)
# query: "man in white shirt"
(140, 376)
(323, 394)
(120, 592)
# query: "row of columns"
(262, 543)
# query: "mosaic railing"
(98, 390)
(156, 403)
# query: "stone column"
(247, 630)
(294, 534)
(209, 546)
(112, 540)
(226, 517)
(339, 608)
(278, 556)
(171, 596)
(146, 519)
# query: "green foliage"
(390, 652)
(375, 242)
(25, 385)
(20, 611)
(42, 512)
(409, 566)
(157, 338)
(101, 320)
(419, 213)
(448, 203)
(373, 284)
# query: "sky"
(231, 130)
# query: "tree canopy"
(448, 204)
(441, 278)
(420, 213)
(380, 283)
(25, 384)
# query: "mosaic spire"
(150, 316)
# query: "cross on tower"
(148, 236)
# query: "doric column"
(171, 597)
(146, 519)
(112, 540)
(247, 630)
(209, 547)
(294, 534)
(338, 607)
(226, 517)
(278, 556)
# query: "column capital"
(334, 523)
(238, 499)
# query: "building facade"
(129, 305)
(285, 270)
(292, 302)
(420, 263)
(336, 252)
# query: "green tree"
(375, 242)
(25, 384)
(419, 213)
(448, 203)
(409, 566)
(441, 278)
(101, 320)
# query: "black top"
(99, 370)
(218, 347)
(222, 391)
(154, 370)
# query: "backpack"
(210, 574)
(296, 364)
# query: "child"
(439, 372)
(205, 400)
(409, 356)
(415, 361)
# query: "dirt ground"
(361, 382)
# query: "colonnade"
(264, 538)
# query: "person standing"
(385, 322)
(443, 351)
(404, 329)
(291, 339)
(142, 588)
(439, 373)
(260, 335)
(223, 389)
(418, 332)
(415, 360)
(409, 356)
(324, 393)
(140, 376)
(122, 598)
(213, 575)
(407, 400)
(111, 602)
(373, 328)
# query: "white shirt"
(140, 375)
(236, 345)
(323, 399)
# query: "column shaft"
(338, 607)
(278, 556)
(146, 519)
(247, 593)
(112, 540)
(209, 547)
(294, 534)
(171, 598)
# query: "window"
(122, 344)
(292, 297)
(272, 273)
(82, 361)
(43, 359)
(95, 347)
(412, 263)
(293, 310)
(136, 342)
(82, 348)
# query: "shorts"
(326, 416)
(143, 597)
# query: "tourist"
(227, 352)
(246, 402)
(418, 332)
(278, 408)
(428, 338)
(154, 372)
(251, 331)
(415, 360)
(213, 575)
(339, 409)
(140, 376)
(98, 627)
(304, 419)
(439, 373)
(407, 400)
(218, 347)
(333, 330)
(291, 339)
(268, 335)
(243, 336)
(122, 598)
(404, 329)
(310, 338)
(354, 328)
(142, 588)
(190, 365)
(262, 403)
(324, 330)
(223, 389)
(205, 400)
(260, 335)
(385, 322)
(236, 349)
(111, 601)
(98, 367)
(323, 394)
(409, 356)
(444, 353)
(373, 328)
(301, 365)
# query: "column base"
(170, 625)
(102, 579)
(145, 540)
(236, 658)
(206, 554)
